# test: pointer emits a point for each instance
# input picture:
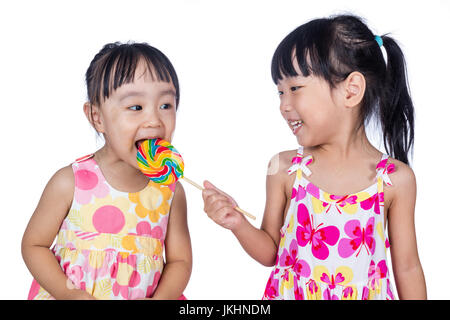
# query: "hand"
(219, 206)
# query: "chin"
(306, 143)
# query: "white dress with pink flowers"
(332, 247)
(111, 242)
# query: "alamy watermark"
(225, 310)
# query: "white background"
(228, 123)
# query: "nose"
(151, 120)
(285, 104)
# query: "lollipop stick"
(193, 183)
(246, 213)
(237, 208)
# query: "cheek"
(169, 125)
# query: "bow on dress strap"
(300, 162)
(384, 169)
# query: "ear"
(354, 86)
(93, 115)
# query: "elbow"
(269, 260)
(268, 264)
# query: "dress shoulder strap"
(84, 158)
(300, 163)
(384, 169)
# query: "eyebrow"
(132, 93)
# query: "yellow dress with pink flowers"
(111, 242)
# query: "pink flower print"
(96, 263)
(376, 273)
(290, 260)
(298, 194)
(75, 274)
(373, 201)
(359, 238)
(144, 228)
(318, 237)
(126, 276)
(151, 288)
(272, 286)
(89, 182)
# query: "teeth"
(295, 124)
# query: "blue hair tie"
(379, 40)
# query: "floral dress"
(111, 242)
(332, 247)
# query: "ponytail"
(396, 107)
(332, 48)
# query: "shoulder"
(403, 181)
(60, 188)
(403, 176)
(63, 180)
(280, 162)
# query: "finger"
(212, 208)
(219, 204)
(223, 215)
(211, 203)
(209, 200)
(208, 192)
(209, 186)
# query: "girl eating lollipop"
(328, 203)
(112, 223)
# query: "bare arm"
(44, 224)
(261, 244)
(408, 273)
(177, 269)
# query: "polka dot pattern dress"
(111, 242)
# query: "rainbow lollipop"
(163, 164)
(160, 161)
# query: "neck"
(118, 172)
(346, 145)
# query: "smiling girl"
(328, 203)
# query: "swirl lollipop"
(163, 164)
(160, 161)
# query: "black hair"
(116, 64)
(332, 48)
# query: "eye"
(295, 88)
(280, 93)
(165, 106)
(135, 108)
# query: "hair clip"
(379, 40)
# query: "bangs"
(308, 45)
(120, 65)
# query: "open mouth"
(140, 141)
(295, 125)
